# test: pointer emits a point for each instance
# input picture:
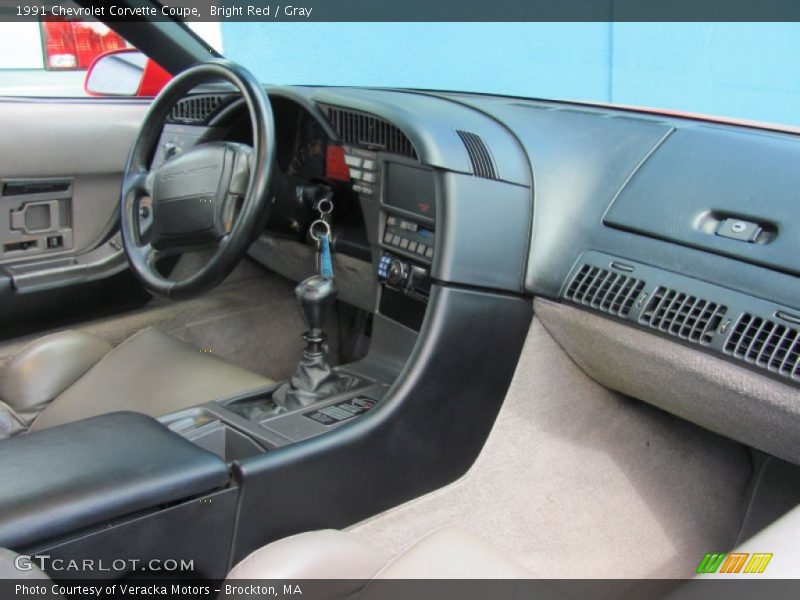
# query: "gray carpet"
(251, 320)
(577, 481)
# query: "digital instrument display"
(411, 189)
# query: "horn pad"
(192, 195)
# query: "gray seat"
(72, 375)
(449, 553)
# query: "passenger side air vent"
(683, 315)
(195, 110)
(766, 344)
(479, 156)
(363, 129)
(604, 290)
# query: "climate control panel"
(409, 237)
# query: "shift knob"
(316, 296)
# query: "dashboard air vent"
(479, 156)
(766, 344)
(604, 290)
(363, 129)
(683, 315)
(195, 110)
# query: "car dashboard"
(675, 227)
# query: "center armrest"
(83, 473)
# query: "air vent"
(766, 344)
(363, 129)
(683, 315)
(482, 163)
(195, 110)
(604, 290)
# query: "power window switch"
(739, 229)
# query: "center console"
(319, 398)
(242, 426)
(119, 488)
(407, 240)
(315, 399)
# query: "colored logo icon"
(735, 562)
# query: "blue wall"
(743, 70)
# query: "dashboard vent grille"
(479, 156)
(363, 129)
(195, 109)
(766, 344)
(683, 315)
(604, 290)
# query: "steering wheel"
(213, 195)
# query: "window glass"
(739, 70)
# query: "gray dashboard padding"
(691, 384)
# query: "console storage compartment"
(211, 433)
(67, 478)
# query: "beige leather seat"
(72, 375)
(449, 553)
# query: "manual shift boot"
(314, 379)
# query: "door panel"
(61, 163)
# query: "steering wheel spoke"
(149, 255)
(135, 184)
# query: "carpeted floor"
(251, 320)
(577, 481)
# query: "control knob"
(398, 272)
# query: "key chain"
(325, 208)
(320, 231)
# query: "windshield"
(736, 70)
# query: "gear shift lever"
(316, 296)
(313, 380)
